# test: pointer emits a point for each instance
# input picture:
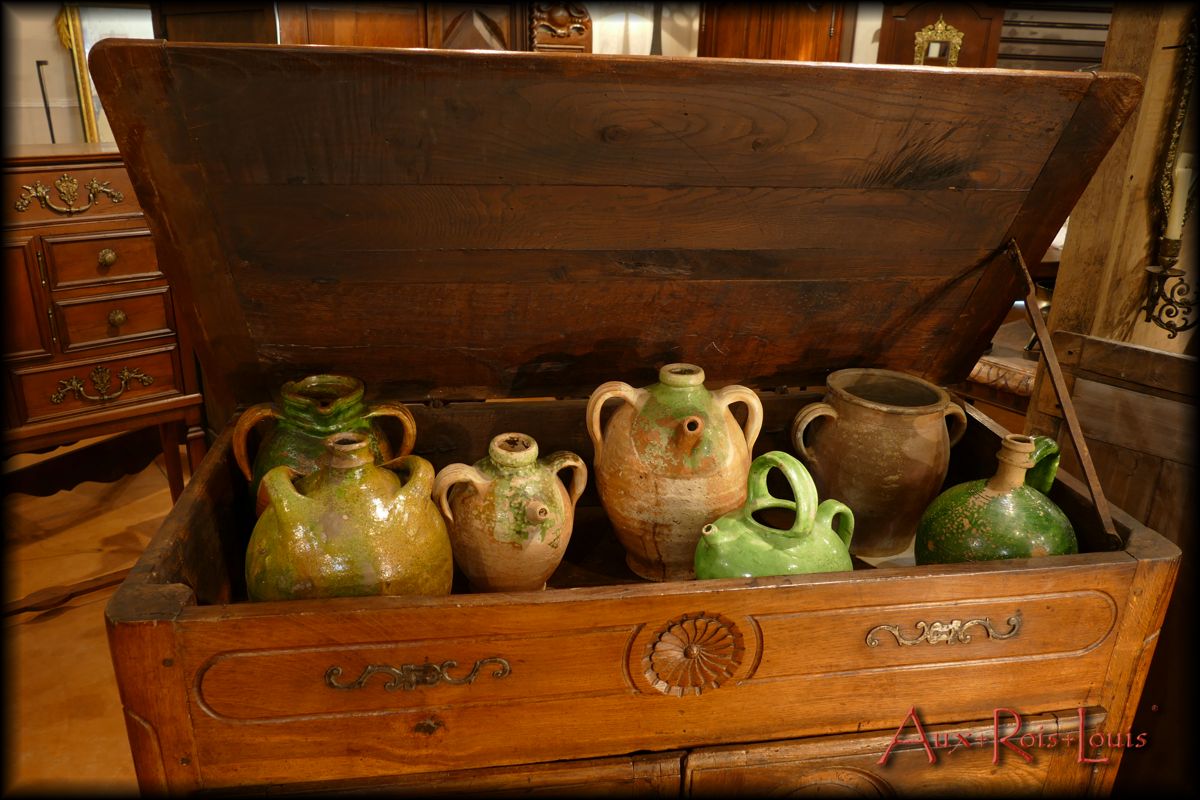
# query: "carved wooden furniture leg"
(169, 432)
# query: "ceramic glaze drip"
(310, 410)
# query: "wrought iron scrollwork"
(101, 378)
(68, 192)
(951, 632)
(1169, 299)
(410, 676)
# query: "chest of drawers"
(92, 343)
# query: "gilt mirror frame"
(79, 26)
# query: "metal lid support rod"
(1060, 390)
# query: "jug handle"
(607, 391)
(450, 476)
(1045, 457)
(805, 418)
(420, 473)
(958, 425)
(803, 488)
(564, 459)
(401, 412)
(241, 430)
(277, 489)
(754, 414)
(832, 508)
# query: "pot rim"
(836, 382)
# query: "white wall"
(866, 33)
(30, 36)
(627, 28)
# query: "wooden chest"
(488, 237)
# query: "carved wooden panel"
(463, 26)
(560, 26)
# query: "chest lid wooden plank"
(475, 224)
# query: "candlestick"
(1182, 182)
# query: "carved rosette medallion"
(693, 653)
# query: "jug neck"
(513, 451)
(323, 403)
(1013, 461)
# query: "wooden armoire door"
(450, 26)
(975, 25)
(787, 31)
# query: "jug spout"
(688, 434)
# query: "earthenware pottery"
(312, 409)
(509, 514)
(879, 442)
(1005, 516)
(670, 460)
(738, 545)
(349, 528)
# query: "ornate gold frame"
(70, 34)
(940, 31)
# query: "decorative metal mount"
(410, 676)
(940, 31)
(949, 632)
(102, 380)
(68, 191)
(1170, 306)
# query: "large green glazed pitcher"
(349, 528)
(737, 545)
(1005, 516)
(671, 459)
(311, 409)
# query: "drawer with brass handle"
(109, 319)
(70, 192)
(89, 384)
(82, 260)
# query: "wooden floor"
(65, 732)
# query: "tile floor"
(65, 733)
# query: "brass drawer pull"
(410, 676)
(68, 190)
(102, 381)
(948, 632)
(117, 318)
(107, 257)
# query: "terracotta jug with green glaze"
(671, 459)
(349, 528)
(1005, 516)
(510, 516)
(310, 410)
(737, 545)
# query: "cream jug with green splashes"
(510, 515)
(670, 460)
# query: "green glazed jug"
(349, 528)
(311, 409)
(1005, 516)
(737, 545)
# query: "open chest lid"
(485, 224)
